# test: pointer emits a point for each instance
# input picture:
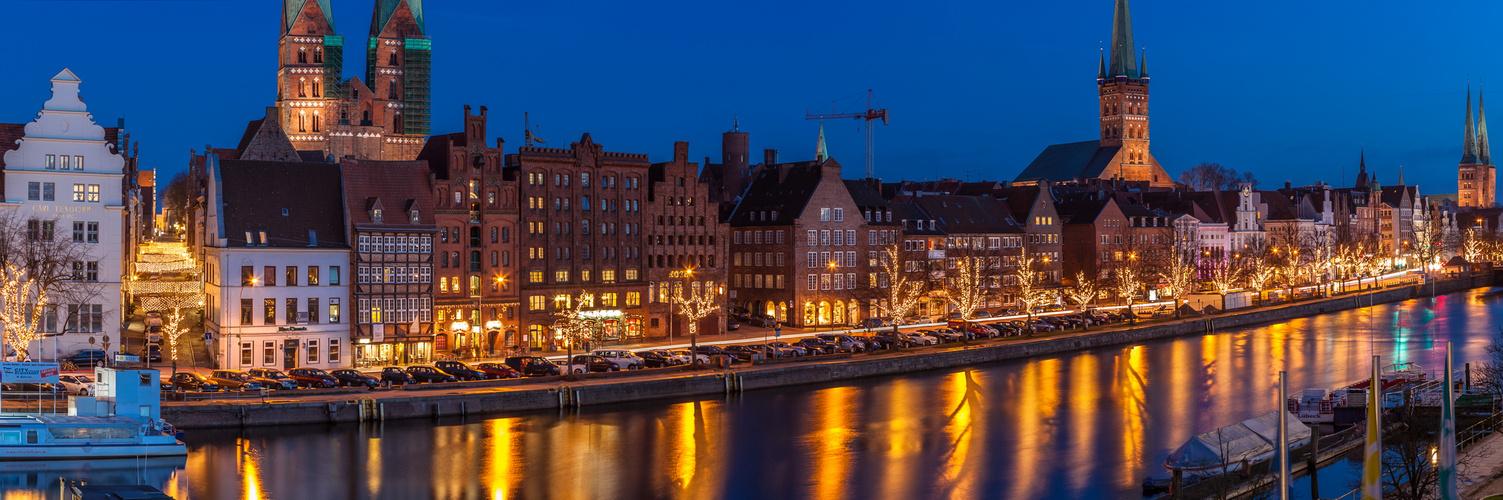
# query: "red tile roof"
(398, 185)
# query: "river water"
(1082, 425)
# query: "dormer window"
(376, 214)
(412, 216)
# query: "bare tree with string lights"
(699, 304)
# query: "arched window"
(393, 59)
(316, 119)
(318, 54)
(391, 89)
(317, 88)
(396, 123)
(475, 261)
(365, 117)
(302, 55)
(302, 87)
(301, 118)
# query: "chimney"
(769, 156)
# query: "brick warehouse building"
(389, 218)
(580, 223)
(475, 209)
(683, 232)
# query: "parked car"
(623, 359)
(797, 350)
(732, 326)
(841, 342)
(591, 363)
(874, 323)
(234, 380)
(190, 381)
(686, 356)
(533, 366)
(313, 378)
(459, 370)
(784, 351)
(946, 335)
(427, 374)
(762, 321)
(273, 378)
(350, 377)
(393, 375)
(153, 319)
(1040, 326)
(152, 352)
(87, 358)
(497, 370)
(815, 346)
(655, 359)
(743, 352)
(709, 350)
(82, 385)
(922, 338)
(983, 314)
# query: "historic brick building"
(384, 117)
(580, 229)
(1122, 152)
(684, 233)
(1476, 178)
(475, 209)
(389, 217)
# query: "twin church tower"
(1476, 178)
(383, 117)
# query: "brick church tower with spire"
(1476, 178)
(1122, 152)
(384, 117)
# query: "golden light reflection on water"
(901, 438)
(1084, 403)
(1130, 395)
(250, 473)
(962, 398)
(829, 441)
(499, 450)
(1038, 400)
(373, 465)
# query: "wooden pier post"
(1176, 481)
(1314, 460)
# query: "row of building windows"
(837, 259)
(394, 274)
(269, 276)
(562, 276)
(562, 180)
(63, 162)
(757, 281)
(832, 281)
(758, 259)
(41, 191)
(681, 240)
(293, 316)
(827, 237)
(681, 220)
(75, 318)
(540, 302)
(394, 310)
(681, 261)
(756, 237)
(394, 244)
(662, 292)
(271, 355)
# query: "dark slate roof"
(250, 133)
(397, 185)
(436, 152)
(313, 156)
(1063, 162)
(1280, 207)
(1394, 195)
(787, 195)
(1019, 200)
(255, 193)
(968, 214)
(909, 211)
(1083, 211)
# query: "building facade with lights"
(474, 205)
(389, 217)
(581, 218)
(685, 244)
(66, 199)
(276, 262)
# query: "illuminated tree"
(1223, 275)
(172, 330)
(1084, 291)
(1179, 278)
(900, 291)
(572, 322)
(1029, 286)
(22, 310)
(1258, 262)
(700, 303)
(1127, 283)
(1473, 247)
(966, 290)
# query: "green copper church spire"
(1123, 61)
(821, 152)
(1484, 156)
(1469, 143)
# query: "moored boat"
(122, 419)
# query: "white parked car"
(683, 355)
(82, 385)
(920, 338)
(625, 360)
(797, 350)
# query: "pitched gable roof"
(255, 193)
(784, 187)
(397, 187)
(1063, 162)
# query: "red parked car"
(313, 378)
(497, 370)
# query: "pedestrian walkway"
(1480, 466)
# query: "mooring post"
(1313, 461)
(1176, 481)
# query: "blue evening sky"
(1287, 89)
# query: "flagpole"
(1283, 448)
(1372, 454)
(1448, 434)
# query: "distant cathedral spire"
(1123, 61)
(821, 153)
(1484, 156)
(1469, 143)
(1361, 169)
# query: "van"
(623, 359)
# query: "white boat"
(1348, 404)
(123, 419)
(31, 437)
(1235, 446)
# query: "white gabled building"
(276, 265)
(63, 178)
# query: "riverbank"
(553, 393)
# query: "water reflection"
(1077, 425)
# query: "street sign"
(28, 373)
(777, 330)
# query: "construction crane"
(869, 115)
